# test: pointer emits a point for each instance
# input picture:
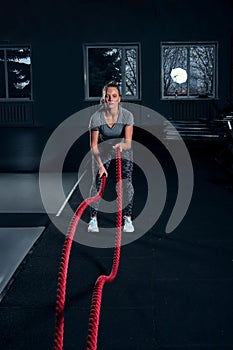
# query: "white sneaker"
(128, 225)
(93, 226)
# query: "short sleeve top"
(98, 123)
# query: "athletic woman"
(111, 127)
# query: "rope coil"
(64, 263)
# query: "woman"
(109, 123)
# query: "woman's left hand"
(118, 145)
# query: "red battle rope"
(98, 289)
(62, 277)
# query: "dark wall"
(57, 30)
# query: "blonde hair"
(113, 84)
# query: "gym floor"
(171, 292)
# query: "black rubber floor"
(172, 291)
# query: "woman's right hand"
(102, 171)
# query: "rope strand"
(62, 275)
(102, 280)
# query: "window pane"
(201, 70)
(174, 65)
(2, 76)
(189, 70)
(104, 65)
(19, 73)
(131, 72)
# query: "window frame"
(15, 47)
(123, 46)
(190, 44)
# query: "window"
(15, 73)
(103, 63)
(189, 70)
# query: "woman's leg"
(96, 182)
(128, 190)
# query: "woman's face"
(112, 97)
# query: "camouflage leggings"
(128, 190)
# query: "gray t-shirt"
(106, 133)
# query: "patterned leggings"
(128, 190)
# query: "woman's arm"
(128, 139)
(94, 136)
